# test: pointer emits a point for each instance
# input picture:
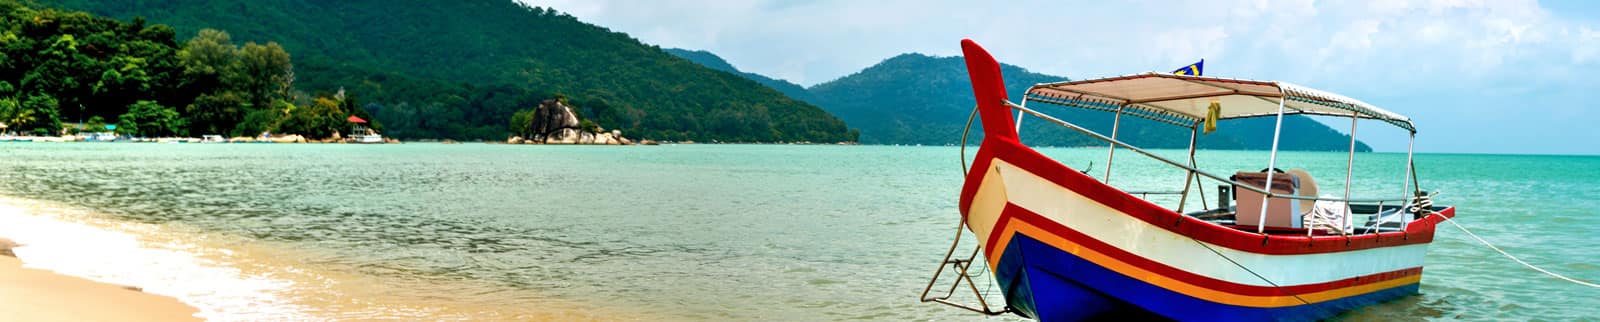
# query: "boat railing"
(1192, 170)
(1186, 167)
(1147, 193)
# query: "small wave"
(148, 256)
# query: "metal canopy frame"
(1196, 174)
(1062, 93)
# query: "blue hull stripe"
(1050, 284)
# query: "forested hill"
(918, 99)
(914, 98)
(705, 58)
(459, 69)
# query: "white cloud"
(1588, 46)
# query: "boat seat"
(1281, 212)
(1307, 187)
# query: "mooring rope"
(1252, 272)
(1518, 260)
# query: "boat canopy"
(1184, 100)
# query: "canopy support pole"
(1115, 123)
(1189, 176)
(1019, 116)
(1350, 164)
(1405, 186)
(1272, 163)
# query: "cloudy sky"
(1493, 76)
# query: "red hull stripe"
(1013, 213)
(1417, 232)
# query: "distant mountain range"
(920, 99)
(459, 69)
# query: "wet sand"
(38, 295)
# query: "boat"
(361, 133)
(99, 137)
(1063, 245)
(368, 138)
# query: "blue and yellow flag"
(1195, 69)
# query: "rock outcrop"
(553, 122)
(551, 118)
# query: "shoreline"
(38, 295)
(226, 277)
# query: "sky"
(1493, 76)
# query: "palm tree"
(12, 113)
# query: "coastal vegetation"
(62, 67)
(461, 69)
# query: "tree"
(95, 124)
(150, 119)
(206, 57)
(257, 121)
(262, 73)
(520, 122)
(317, 120)
(216, 113)
(37, 112)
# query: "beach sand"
(38, 295)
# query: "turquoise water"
(711, 232)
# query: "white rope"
(1508, 255)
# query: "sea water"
(676, 232)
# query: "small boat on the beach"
(1065, 245)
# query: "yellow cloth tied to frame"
(1213, 113)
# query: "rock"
(554, 122)
(563, 136)
(552, 116)
(5, 247)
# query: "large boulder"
(563, 136)
(552, 116)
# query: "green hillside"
(708, 59)
(918, 99)
(914, 98)
(459, 69)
